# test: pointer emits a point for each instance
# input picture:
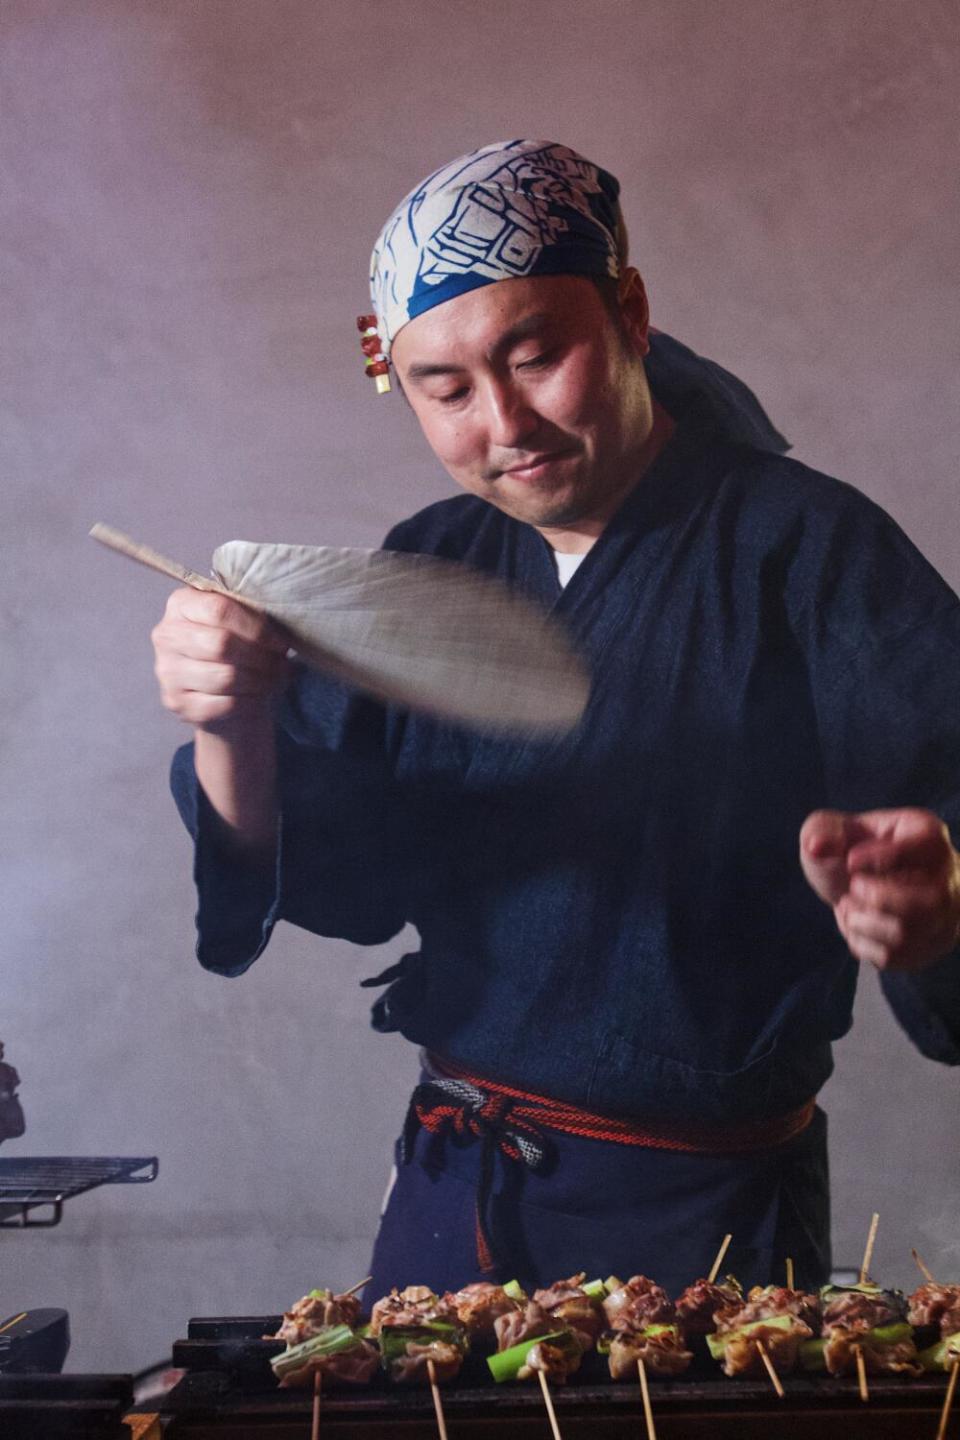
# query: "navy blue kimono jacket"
(618, 918)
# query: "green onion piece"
(867, 1287)
(508, 1363)
(320, 1295)
(515, 1291)
(394, 1338)
(647, 1333)
(941, 1355)
(330, 1341)
(612, 1282)
(890, 1334)
(596, 1289)
(811, 1355)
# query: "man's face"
(532, 396)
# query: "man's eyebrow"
(529, 326)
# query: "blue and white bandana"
(519, 207)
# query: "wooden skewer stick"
(647, 1407)
(359, 1286)
(861, 1373)
(144, 555)
(789, 1273)
(315, 1422)
(719, 1260)
(868, 1252)
(548, 1401)
(437, 1402)
(770, 1369)
(922, 1268)
(11, 1323)
(948, 1400)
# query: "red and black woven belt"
(512, 1121)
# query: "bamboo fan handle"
(145, 555)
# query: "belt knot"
(495, 1119)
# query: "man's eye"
(452, 396)
(537, 362)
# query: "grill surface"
(31, 1182)
(229, 1391)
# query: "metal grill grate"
(31, 1181)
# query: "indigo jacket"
(618, 918)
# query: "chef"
(637, 940)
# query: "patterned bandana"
(520, 207)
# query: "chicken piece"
(663, 1353)
(741, 1353)
(930, 1303)
(321, 1308)
(416, 1305)
(569, 1307)
(515, 1326)
(638, 1304)
(477, 1306)
(703, 1304)
(880, 1357)
(861, 1310)
(555, 1361)
(765, 1302)
(412, 1367)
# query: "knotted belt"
(512, 1122)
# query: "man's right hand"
(218, 662)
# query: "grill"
(229, 1390)
(65, 1407)
(43, 1183)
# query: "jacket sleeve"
(346, 861)
(883, 634)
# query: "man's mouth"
(535, 466)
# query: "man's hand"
(893, 880)
(216, 660)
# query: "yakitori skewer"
(868, 1251)
(359, 1285)
(647, 1407)
(715, 1267)
(789, 1266)
(437, 1402)
(548, 1401)
(924, 1271)
(948, 1400)
(861, 1372)
(770, 1368)
(315, 1421)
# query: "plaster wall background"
(189, 192)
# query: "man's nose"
(511, 419)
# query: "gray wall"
(189, 193)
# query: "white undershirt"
(566, 565)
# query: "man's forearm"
(236, 765)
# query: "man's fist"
(216, 660)
(893, 880)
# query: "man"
(627, 985)
(12, 1123)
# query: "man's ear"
(632, 298)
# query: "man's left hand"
(893, 880)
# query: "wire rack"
(33, 1188)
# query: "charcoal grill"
(43, 1183)
(229, 1390)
